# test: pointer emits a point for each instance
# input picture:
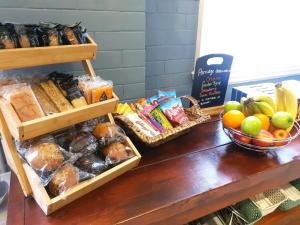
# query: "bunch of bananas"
(258, 104)
(285, 101)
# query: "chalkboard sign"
(211, 81)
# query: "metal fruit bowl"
(236, 136)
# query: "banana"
(279, 98)
(256, 109)
(246, 106)
(265, 108)
(290, 101)
(265, 98)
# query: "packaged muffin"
(116, 153)
(108, 133)
(65, 178)
(91, 164)
(83, 143)
(23, 101)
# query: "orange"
(264, 120)
(233, 119)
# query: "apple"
(261, 139)
(280, 134)
(251, 125)
(282, 120)
(242, 138)
(232, 105)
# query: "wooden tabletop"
(187, 178)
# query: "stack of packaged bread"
(57, 93)
(65, 158)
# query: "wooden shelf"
(30, 129)
(38, 56)
(180, 181)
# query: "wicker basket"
(194, 113)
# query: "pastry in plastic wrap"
(91, 164)
(45, 102)
(44, 156)
(65, 178)
(24, 103)
(56, 96)
(83, 143)
(117, 152)
(108, 133)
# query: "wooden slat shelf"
(38, 56)
(34, 128)
(175, 183)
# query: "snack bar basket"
(194, 113)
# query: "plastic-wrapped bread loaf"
(25, 103)
(47, 105)
(56, 96)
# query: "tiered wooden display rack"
(12, 127)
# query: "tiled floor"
(3, 206)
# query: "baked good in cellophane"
(23, 100)
(95, 89)
(44, 156)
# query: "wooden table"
(175, 183)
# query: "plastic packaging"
(91, 164)
(116, 153)
(50, 34)
(45, 156)
(23, 101)
(45, 102)
(174, 111)
(6, 41)
(95, 90)
(56, 96)
(83, 143)
(143, 126)
(73, 34)
(108, 133)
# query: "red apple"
(261, 139)
(280, 134)
(241, 137)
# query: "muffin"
(66, 177)
(117, 152)
(106, 130)
(91, 164)
(44, 156)
(83, 142)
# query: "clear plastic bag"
(45, 156)
(108, 133)
(91, 164)
(65, 178)
(24, 102)
(83, 143)
(116, 153)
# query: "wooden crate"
(28, 57)
(33, 128)
(50, 205)
(31, 184)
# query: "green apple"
(251, 125)
(232, 105)
(282, 120)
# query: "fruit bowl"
(245, 141)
